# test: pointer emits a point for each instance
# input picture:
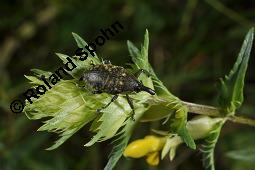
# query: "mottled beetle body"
(107, 78)
(111, 79)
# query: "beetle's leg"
(112, 100)
(97, 92)
(97, 89)
(107, 62)
(78, 86)
(138, 73)
(130, 102)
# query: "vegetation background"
(192, 44)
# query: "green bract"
(68, 108)
(230, 97)
(231, 92)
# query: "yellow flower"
(153, 158)
(149, 146)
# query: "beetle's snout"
(148, 90)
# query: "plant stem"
(215, 112)
(203, 109)
(242, 120)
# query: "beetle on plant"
(115, 80)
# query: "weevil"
(115, 80)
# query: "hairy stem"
(215, 112)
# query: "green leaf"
(172, 142)
(179, 118)
(209, 146)
(117, 151)
(231, 96)
(178, 125)
(34, 80)
(66, 109)
(133, 51)
(231, 91)
(112, 119)
(140, 58)
(81, 65)
(69, 108)
(122, 141)
(243, 155)
(81, 43)
(38, 73)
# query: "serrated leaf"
(186, 137)
(65, 106)
(121, 142)
(112, 120)
(178, 125)
(140, 58)
(209, 146)
(162, 110)
(172, 154)
(38, 73)
(179, 118)
(69, 108)
(34, 80)
(172, 142)
(133, 50)
(231, 92)
(117, 151)
(81, 66)
(145, 48)
(81, 43)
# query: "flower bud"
(200, 126)
(142, 147)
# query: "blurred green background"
(192, 44)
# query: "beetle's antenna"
(148, 90)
